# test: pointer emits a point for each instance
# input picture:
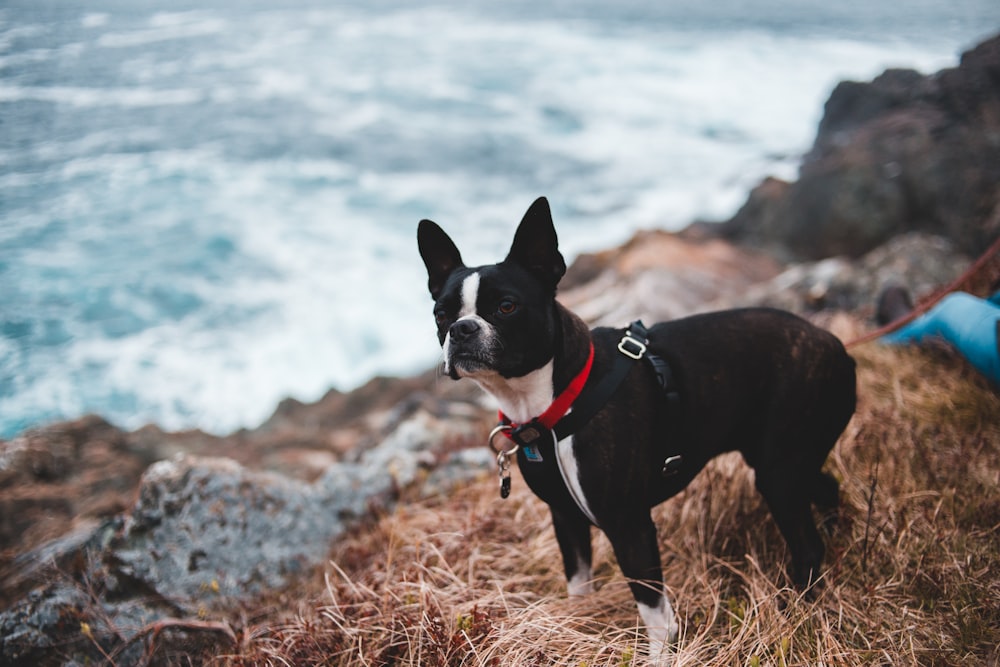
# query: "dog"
(759, 381)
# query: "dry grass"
(912, 579)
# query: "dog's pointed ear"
(439, 253)
(536, 246)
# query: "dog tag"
(532, 454)
(504, 487)
(527, 435)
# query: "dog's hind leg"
(826, 497)
(638, 555)
(573, 536)
(788, 498)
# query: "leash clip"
(503, 458)
(503, 467)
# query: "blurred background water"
(206, 207)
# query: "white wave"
(19, 32)
(165, 27)
(95, 19)
(97, 97)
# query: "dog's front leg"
(573, 534)
(635, 545)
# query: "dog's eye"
(440, 318)
(507, 307)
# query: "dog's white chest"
(570, 471)
(521, 399)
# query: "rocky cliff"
(905, 152)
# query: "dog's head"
(497, 319)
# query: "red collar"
(562, 403)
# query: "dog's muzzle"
(469, 347)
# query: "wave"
(98, 97)
(165, 26)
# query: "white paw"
(580, 584)
(662, 630)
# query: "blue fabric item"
(966, 322)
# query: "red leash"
(929, 302)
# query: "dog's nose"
(463, 329)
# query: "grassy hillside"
(913, 573)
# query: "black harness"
(633, 347)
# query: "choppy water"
(205, 207)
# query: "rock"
(920, 262)
(758, 223)
(207, 535)
(205, 524)
(37, 629)
(902, 153)
(55, 479)
(658, 276)
(342, 422)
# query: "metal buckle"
(626, 341)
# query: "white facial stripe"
(470, 293)
(467, 311)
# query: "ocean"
(207, 207)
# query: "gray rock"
(40, 624)
(204, 524)
(920, 262)
(206, 535)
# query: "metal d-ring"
(502, 428)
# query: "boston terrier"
(759, 381)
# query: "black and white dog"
(763, 382)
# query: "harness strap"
(587, 402)
(633, 347)
(590, 402)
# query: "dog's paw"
(662, 630)
(661, 654)
(580, 584)
(673, 632)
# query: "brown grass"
(913, 576)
